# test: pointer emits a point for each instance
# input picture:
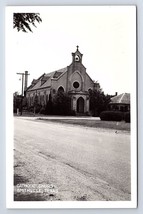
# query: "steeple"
(77, 56)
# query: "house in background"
(72, 79)
(120, 102)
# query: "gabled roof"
(121, 99)
(45, 80)
(59, 72)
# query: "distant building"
(120, 102)
(72, 79)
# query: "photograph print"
(71, 107)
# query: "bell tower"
(77, 56)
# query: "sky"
(106, 36)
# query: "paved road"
(79, 163)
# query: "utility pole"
(26, 80)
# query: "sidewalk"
(40, 116)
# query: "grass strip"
(93, 123)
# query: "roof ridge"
(121, 97)
(59, 70)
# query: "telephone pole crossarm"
(26, 80)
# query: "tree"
(61, 103)
(17, 102)
(98, 101)
(35, 103)
(22, 21)
(49, 106)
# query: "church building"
(72, 79)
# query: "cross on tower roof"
(77, 47)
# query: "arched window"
(89, 90)
(60, 89)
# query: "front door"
(80, 105)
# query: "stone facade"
(72, 79)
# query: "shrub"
(111, 115)
(87, 113)
(72, 113)
(42, 110)
(31, 109)
(49, 108)
(127, 117)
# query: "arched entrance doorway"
(80, 105)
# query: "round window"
(75, 84)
